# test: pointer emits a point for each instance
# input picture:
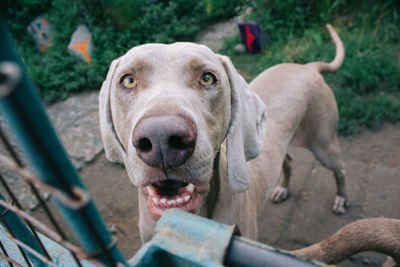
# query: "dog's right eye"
(208, 79)
(128, 81)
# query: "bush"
(290, 17)
(116, 26)
(367, 86)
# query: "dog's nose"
(164, 141)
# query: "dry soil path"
(373, 183)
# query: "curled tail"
(375, 234)
(337, 62)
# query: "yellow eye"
(129, 82)
(208, 79)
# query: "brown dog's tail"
(377, 234)
(337, 62)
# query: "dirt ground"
(373, 186)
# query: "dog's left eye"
(208, 79)
(129, 81)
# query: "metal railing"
(22, 110)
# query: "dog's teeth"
(171, 202)
(155, 200)
(179, 200)
(150, 189)
(187, 198)
(190, 187)
(163, 200)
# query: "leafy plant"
(367, 86)
(116, 26)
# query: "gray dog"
(186, 125)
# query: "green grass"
(367, 86)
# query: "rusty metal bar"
(4, 222)
(80, 199)
(33, 131)
(32, 180)
(21, 244)
(17, 227)
(44, 229)
(5, 255)
(49, 233)
(15, 200)
(42, 203)
(10, 261)
(53, 221)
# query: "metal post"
(21, 108)
(246, 253)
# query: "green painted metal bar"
(20, 231)
(20, 106)
(184, 239)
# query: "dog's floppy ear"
(113, 148)
(246, 132)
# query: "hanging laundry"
(250, 34)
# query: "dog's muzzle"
(164, 141)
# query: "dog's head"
(165, 110)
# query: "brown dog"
(302, 111)
(185, 123)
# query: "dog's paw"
(280, 194)
(340, 205)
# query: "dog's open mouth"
(172, 194)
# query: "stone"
(240, 48)
(77, 125)
(41, 32)
(81, 43)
